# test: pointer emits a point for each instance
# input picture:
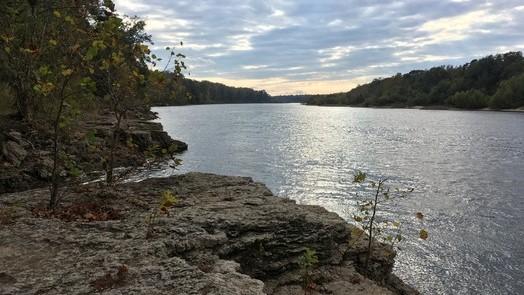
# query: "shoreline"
(221, 235)
(424, 108)
(25, 150)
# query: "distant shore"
(432, 107)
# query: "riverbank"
(25, 150)
(224, 235)
(432, 107)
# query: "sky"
(325, 46)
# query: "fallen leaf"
(423, 234)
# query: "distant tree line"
(188, 91)
(495, 81)
(290, 98)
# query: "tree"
(468, 86)
(389, 231)
(470, 99)
(118, 59)
(510, 94)
(29, 41)
(47, 85)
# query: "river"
(467, 169)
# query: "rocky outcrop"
(225, 235)
(25, 157)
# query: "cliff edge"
(224, 235)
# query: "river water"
(467, 169)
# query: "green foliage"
(369, 220)
(510, 93)
(359, 177)
(494, 81)
(307, 262)
(470, 99)
(308, 259)
(188, 91)
(423, 234)
(62, 59)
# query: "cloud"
(460, 27)
(254, 67)
(325, 46)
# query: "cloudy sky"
(325, 46)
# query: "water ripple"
(467, 168)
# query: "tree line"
(495, 81)
(189, 91)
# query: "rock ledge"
(225, 235)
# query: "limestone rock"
(14, 153)
(225, 235)
(142, 139)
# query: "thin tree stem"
(370, 242)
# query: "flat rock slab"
(225, 235)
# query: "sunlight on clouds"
(385, 65)
(241, 43)
(335, 23)
(335, 53)
(323, 43)
(160, 22)
(457, 28)
(131, 5)
(277, 13)
(428, 57)
(254, 67)
(282, 86)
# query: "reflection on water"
(467, 168)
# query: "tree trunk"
(55, 174)
(23, 105)
(371, 221)
(53, 200)
(114, 141)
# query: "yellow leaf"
(7, 38)
(423, 234)
(57, 13)
(53, 42)
(27, 50)
(168, 200)
(67, 72)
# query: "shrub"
(385, 230)
(470, 99)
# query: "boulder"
(43, 168)
(14, 153)
(142, 139)
(11, 181)
(162, 139)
